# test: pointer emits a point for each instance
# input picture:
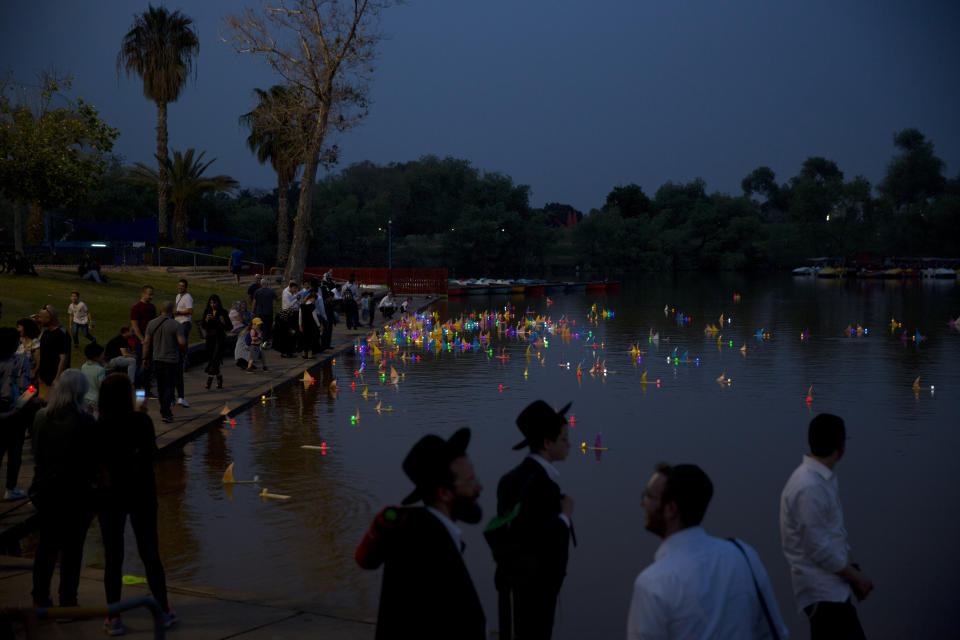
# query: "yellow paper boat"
(394, 376)
(229, 479)
(274, 496)
(916, 385)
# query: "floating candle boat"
(273, 496)
(229, 479)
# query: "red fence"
(400, 281)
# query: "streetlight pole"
(390, 254)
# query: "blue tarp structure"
(145, 230)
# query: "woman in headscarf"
(63, 486)
(215, 325)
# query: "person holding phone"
(16, 408)
(128, 447)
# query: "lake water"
(900, 498)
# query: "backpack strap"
(763, 603)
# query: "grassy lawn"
(109, 302)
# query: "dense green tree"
(273, 137)
(915, 175)
(630, 200)
(187, 183)
(51, 155)
(160, 48)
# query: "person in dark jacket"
(127, 449)
(215, 324)
(427, 592)
(529, 582)
(63, 486)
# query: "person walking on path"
(183, 314)
(141, 314)
(127, 448)
(254, 341)
(80, 319)
(529, 575)
(53, 356)
(310, 326)
(64, 439)
(161, 347)
(699, 586)
(215, 324)
(236, 265)
(17, 407)
(95, 373)
(118, 355)
(325, 304)
(286, 335)
(427, 592)
(814, 539)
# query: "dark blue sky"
(572, 98)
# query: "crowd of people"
(698, 586)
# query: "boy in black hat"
(427, 592)
(529, 577)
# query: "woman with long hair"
(215, 323)
(127, 449)
(309, 326)
(63, 486)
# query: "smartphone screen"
(141, 396)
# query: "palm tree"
(186, 184)
(160, 48)
(272, 137)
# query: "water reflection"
(748, 434)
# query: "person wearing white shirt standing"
(814, 538)
(183, 314)
(699, 586)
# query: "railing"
(172, 257)
(30, 615)
(399, 280)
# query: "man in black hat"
(529, 576)
(427, 592)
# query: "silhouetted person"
(698, 586)
(127, 448)
(64, 439)
(427, 592)
(215, 323)
(529, 579)
(814, 538)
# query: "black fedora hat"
(428, 463)
(537, 420)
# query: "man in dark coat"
(528, 579)
(427, 592)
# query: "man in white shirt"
(698, 586)
(814, 538)
(183, 314)
(290, 298)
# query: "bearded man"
(427, 592)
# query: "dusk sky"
(571, 98)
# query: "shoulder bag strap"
(763, 603)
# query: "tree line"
(428, 212)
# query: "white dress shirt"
(452, 529)
(700, 586)
(812, 534)
(289, 300)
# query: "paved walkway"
(206, 613)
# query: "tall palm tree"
(160, 48)
(187, 183)
(273, 137)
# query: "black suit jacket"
(542, 536)
(427, 592)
